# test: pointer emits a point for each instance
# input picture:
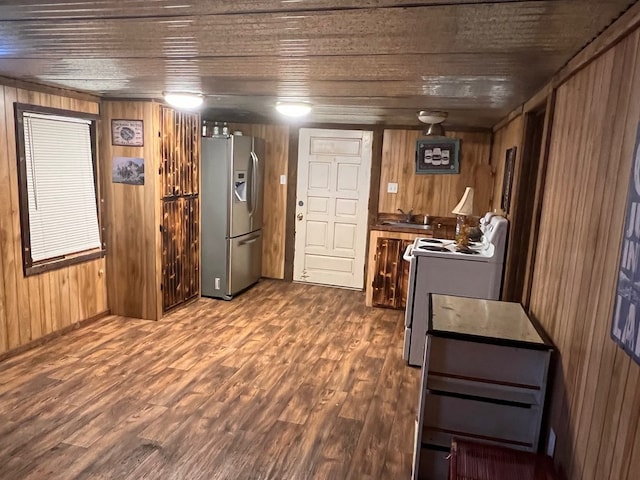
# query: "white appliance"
(231, 226)
(436, 266)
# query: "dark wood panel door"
(179, 173)
(180, 251)
(392, 273)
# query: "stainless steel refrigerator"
(231, 197)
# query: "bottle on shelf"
(225, 129)
(216, 128)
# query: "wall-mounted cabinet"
(152, 227)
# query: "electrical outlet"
(283, 179)
(551, 443)
(217, 283)
(392, 187)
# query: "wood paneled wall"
(595, 406)
(276, 138)
(434, 194)
(508, 136)
(132, 216)
(33, 307)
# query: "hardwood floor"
(287, 381)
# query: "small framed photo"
(128, 170)
(127, 133)
(438, 155)
(507, 180)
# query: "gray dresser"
(484, 378)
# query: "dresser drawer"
(448, 416)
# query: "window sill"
(49, 265)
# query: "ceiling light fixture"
(183, 99)
(434, 119)
(293, 109)
(432, 116)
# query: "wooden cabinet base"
(387, 272)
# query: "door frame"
(292, 168)
(525, 219)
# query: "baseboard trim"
(51, 336)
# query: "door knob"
(299, 216)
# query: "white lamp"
(465, 205)
(461, 211)
(183, 99)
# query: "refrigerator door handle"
(250, 185)
(254, 182)
(249, 240)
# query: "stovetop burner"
(466, 251)
(433, 248)
(431, 240)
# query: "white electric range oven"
(437, 266)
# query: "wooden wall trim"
(613, 34)
(374, 190)
(289, 249)
(522, 206)
(539, 99)
(609, 38)
(53, 335)
(42, 88)
(508, 119)
(539, 199)
(376, 169)
(370, 127)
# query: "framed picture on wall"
(438, 155)
(127, 133)
(507, 180)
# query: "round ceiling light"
(432, 116)
(183, 100)
(293, 109)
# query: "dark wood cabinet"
(179, 188)
(391, 273)
(152, 229)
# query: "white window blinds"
(63, 218)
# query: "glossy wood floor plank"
(286, 381)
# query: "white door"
(334, 168)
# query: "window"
(56, 169)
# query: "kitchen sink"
(421, 226)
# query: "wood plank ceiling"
(355, 61)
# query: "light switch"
(392, 187)
(283, 179)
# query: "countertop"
(425, 232)
(489, 321)
(439, 227)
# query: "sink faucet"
(407, 216)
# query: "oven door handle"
(408, 253)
